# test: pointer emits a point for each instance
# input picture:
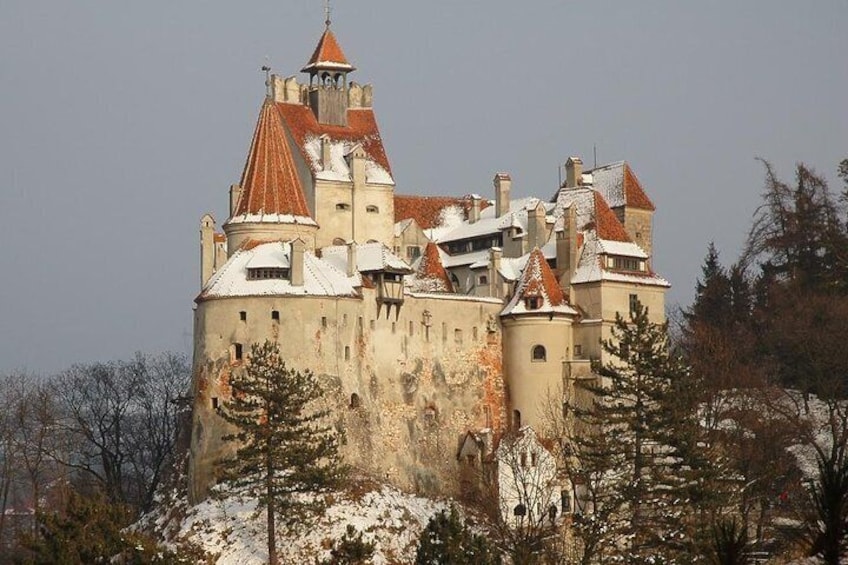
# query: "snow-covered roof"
(401, 226)
(590, 267)
(538, 282)
(272, 219)
(320, 278)
(370, 257)
(619, 186)
(430, 274)
(490, 224)
(338, 169)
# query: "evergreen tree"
(447, 540)
(712, 293)
(634, 462)
(287, 455)
(351, 549)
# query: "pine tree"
(712, 293)
(447, 540)
(632, 462)
(287, 455)
(351, 549)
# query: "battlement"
(289, 91)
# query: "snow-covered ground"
(230, 530)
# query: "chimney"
(296, 262)
(235, 194)
(495, 255)
(351, 259)
(357, 157)
(566, 247)
(502, 186)
(326, 158)
(536, 228)
(207, 248)
(573, 172)
(474, 212)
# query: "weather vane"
(267, 69)
(327, 12)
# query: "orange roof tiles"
(606, 223)
(425, 210)
(633, 193)
(328, 54)
(539, 280)
(361, 128)
(430, 267)
(270, 183)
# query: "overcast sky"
(121, 123)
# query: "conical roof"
(430, 276)
(537, 290)
(328, 55)
(270, 184)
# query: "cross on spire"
(327, 11)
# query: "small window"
(275, 315)
(565, 501)
(539, 354)
(354, 401)
(413, 252)
(474, 333)
(483, 279)
(578, 351)
(516, 419)
(323, 321)
(523, 459)
(534, 459)
(243, 316)
(411, 327)
(520, 510)
(457, 335)
(634, 303)
(373, 324)
(214, 403)
(394, 327)
(344, 320)
(371, 209)
(347, 353)
(269, 273)
(533, 302)
(444, 331)
(238, 351)
(343, 206)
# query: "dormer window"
(620, 263)
(533, 302)
(265, 273)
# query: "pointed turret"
(271, 203)
(537, 291)
(328, 56)
(430, 276)
(328, 68)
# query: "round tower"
(537, 337)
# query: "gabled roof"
(370, 257)
(361, 128)
(430, 276)
(538, 281)
(328, 55)
(270, 185)
(619, 186)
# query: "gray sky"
(122, 123)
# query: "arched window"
(342, 206)
(539, 354)
(516, 419)
(338, 241)
(371, 209)
(354, 400)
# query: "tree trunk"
(269, 492)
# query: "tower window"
(342, 207)
(270, 273)
(323, 321)
(214, 403)
(539, 354)
(354, 400)
(516, 419)
(238, 352)
(275, 315)
(533, 302)
(243, 316)
(371, 209)
(347, 353)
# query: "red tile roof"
(430, 267)
(633, 193)
(606, 222)
(538, 279)
(426, 210)
(361, 128)
(328, 54)
(270, 183)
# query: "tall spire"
(328, 55)
(270, 184)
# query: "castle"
(435, 323)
